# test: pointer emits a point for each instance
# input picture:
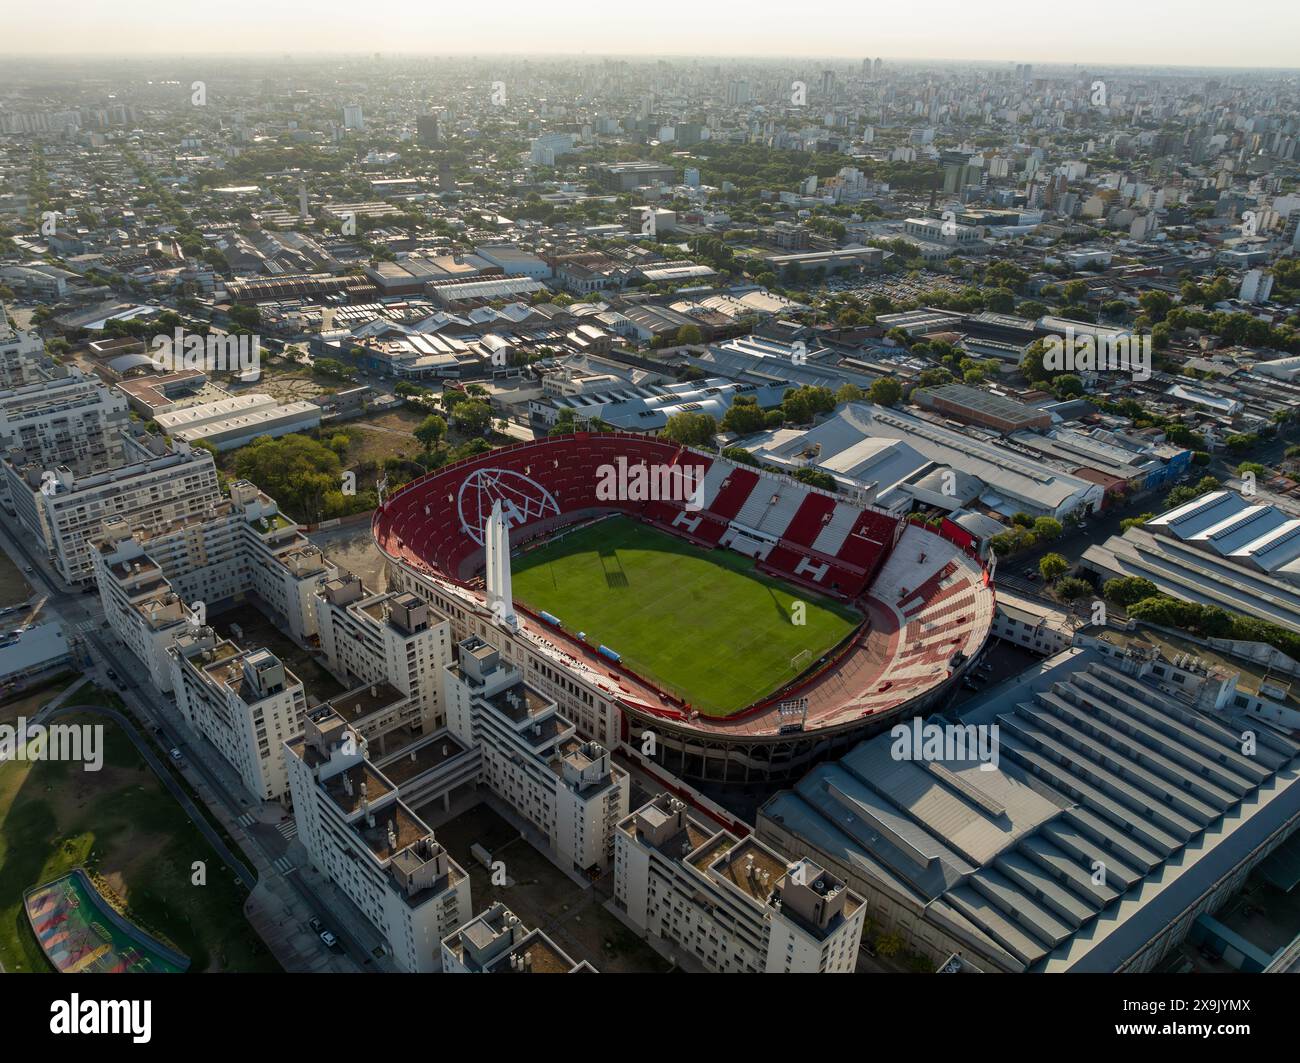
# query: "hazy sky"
(1261, 33)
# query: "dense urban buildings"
(573, 513)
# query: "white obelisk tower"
(496, 545)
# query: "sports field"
(701, 623)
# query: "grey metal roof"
(1097, 767)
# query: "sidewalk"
(346, 916)
(270, 910)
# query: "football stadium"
(752, 622)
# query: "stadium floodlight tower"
(496, 544)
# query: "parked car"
(317, 926)
(330, 940)
(177, 756)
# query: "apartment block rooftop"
(665, 825)
(496, 942)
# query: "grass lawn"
(14, 588)
(703, 623)
(121, 823)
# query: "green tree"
(430, 431)
(743, 417)
(1135, 522)
(1126, 590)
(297, 471)
(689, 335)
(885, 391)
(1047, 528)
(1068, 386)
(817, 477)
(1050, 566)
(472, 416)
(692, 429)
(1155, 304)
(1072, 587)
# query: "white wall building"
(66, 420)
(532, 758)
(1256, 286)
(21, 354)
(393, 639)
(374, 848)
(157, 487)
(149, 584)
(496, 942)
(549, 147)
(736, 905)
(245, 702)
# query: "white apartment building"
(496, 942)
(22, 354)
(734, 904)
(67, 420)
(532, 758)
(545, 149)
(245, 702)
(393, 641)
(157, 487)
(358, 832)
(241, 546)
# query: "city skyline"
(1164, 33)
(650, 489)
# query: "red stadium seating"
(809, 521)
(422, 525)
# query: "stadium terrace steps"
(735, 489)
(831, 538)
(763, 497)
(810, 520)
(870, 538)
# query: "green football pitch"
(701, 623)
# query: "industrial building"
(895, 458)
(232, 422)
(1120, 803)
(1220, 549)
